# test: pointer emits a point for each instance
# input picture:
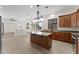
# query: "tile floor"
(20, 44)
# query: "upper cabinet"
(73, 20)
(65, 21)
(61, 21)
(70, 20)
(78, 18)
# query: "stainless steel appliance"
(1, 33)
(74, 40)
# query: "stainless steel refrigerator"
(1, 33)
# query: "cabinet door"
(78, 19)
(34, 38)
(44, 41)
(73, 20)
(61, 21)
(68, 37)
(67, 21)
(58, 36)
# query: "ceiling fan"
(11, 19)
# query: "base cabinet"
(43, 41)
(62, 36)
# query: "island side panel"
(43, 41)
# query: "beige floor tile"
(20, 44)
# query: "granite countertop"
(41, 33)
(67, 31)
(76, 34)
(73, 32)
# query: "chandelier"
(38, 13)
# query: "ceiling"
(28, 11)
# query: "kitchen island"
(42, 39)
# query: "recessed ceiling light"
(35, 20)
(51, 16)
(1, 7)
(31, 6)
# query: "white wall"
(45, 24)
(9, 26)
(22, 26)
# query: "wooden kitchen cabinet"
(61, 21)
(58, 36)
(69, 20)
(78, 18)
(65, 21)
(73, 20)
(62, 36)
(34, 38)
(41, 40)
(68, 37)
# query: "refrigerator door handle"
(2, 29)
